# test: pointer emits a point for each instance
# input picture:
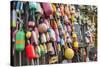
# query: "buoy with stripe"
(20, 40)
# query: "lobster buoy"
(66, 19)
(52, 34)
(59, 47)
(65, 37)
(42, 27)
(38, 50)
(47, 37)
(54, 24)
(69, 40)
(50, 48)
(43, 38)
(42, 50)
(75, 44)
(72, 10)
(66, 9)
(47, 8)
(14, 18)
(39, 9)
(62, 41)
(72, 18)
(33, 5)
(62, 10)
(20, 40)
(45, 47)
(65, 28)
(54, 8)
(62, 31)
(57, 38)
(36, 31)
(31, 24)
(58, 12)
(28, 34)
(49, 45)
(69, 53)
(30, 52)
(56, 32)
(47, 23)
(69, 29)
(57, 35)
(34, 37)
(74, 35)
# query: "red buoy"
(30, 52)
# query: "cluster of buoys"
(44, 28)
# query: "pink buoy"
(34, 37)
(42, 27)
(47, 8)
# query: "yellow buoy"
(28, 34)
(75, 44)
(69, 53)
(53, 8)
(59, 47)
(72, 18)
(74, 35)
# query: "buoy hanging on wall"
(30, 52)
(75, 44)
(20, 40)
(42, 27)
(47, 8)
(69, 53)
(28, 34)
